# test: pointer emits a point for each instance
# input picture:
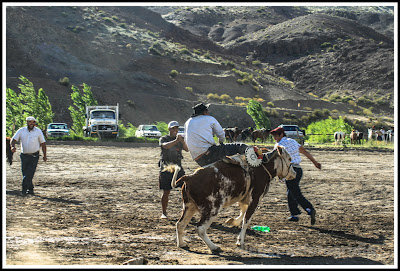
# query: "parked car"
(293, 131)
(181, 131)
(57, 130)
(147, 130)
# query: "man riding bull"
(200, 129)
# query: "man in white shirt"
(32, 139)
(200, 129)
(294, 195)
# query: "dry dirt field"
(97, 204)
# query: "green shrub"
(107, 19)
(351, 102)
(334, 98)
(325, 44)
(163, 127)
(207, 55)
(347, 99)
(270, 104)
(64, 81)
(173, 73)
(324, 129)
(185, 51)
(197, 51)
(154, 51)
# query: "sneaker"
(312, 214)
(31, 192)
(294, 218)
(163, 216)
(23, 192)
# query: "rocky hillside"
(294, 57)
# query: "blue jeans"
(215, 153)
(28, 166)
(294, 195)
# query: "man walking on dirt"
(200, 129)
(171, 153)
(32, 139)
(294, 195)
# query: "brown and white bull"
(219, 185)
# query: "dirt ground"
(100, 205)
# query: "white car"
(57, 130)
(147, 130)
(293, 131)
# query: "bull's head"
(284, 168)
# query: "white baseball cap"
(30, 118)
(173, 124)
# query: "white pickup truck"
(293, 131)
(57, 130)
(147, 130)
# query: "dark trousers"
(294, 195)
(216, 153)
(28, 166)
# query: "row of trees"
(26, 103)
(31, 103)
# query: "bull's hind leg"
(236, 222)
(205, 222)
(189, 209)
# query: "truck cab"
(102, 121)
(293, 131)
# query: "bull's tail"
(173, 169)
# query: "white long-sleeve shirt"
(199, 134)
(30, 140)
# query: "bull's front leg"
(247, 219)
(236, 222)
(242, 234)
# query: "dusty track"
(100, 205)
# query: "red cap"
(277, 130)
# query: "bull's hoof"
(184, 245)
(229, 221)
(238, 244)
(216, 251)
